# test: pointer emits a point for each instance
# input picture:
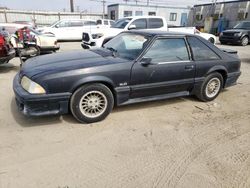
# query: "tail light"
(2, 41)
(3, 50)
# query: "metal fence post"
(5, 16)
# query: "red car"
(7, 52)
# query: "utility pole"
(103, 6)
(71, 5)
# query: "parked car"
(238, 35)
(7, 52)
(70, 29)
(97, 37)
(192, 30)
(134, 66)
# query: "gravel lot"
(172, 143)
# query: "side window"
(89, 23)
(106, 22)
(63, 24)
(168, 50)
(200, 50)
(140, 23)
(76, 23)
(155, 23)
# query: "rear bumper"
(40, 105)
(11, 54)
(232, 79)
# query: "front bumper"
(230, 39)
(11, 54)
(40, 105)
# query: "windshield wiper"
(114, 51)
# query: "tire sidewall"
(76, 97)
(203, 96)
(243, 40)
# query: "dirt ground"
(172, 143)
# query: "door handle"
(189, 67)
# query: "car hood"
(65, 61)
(234, 31)
(107, 31)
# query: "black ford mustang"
(134, 66)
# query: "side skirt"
(156, 97)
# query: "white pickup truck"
(97, 37)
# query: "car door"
(170, 70)
(61, 29)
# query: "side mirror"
(56, 26)
(145, 61)
(132, 27)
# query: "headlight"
(97, 36)
(31, 86)
(237, 34)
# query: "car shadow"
(8, 67)
(26, 121)
(150, 104)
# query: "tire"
(211, 40)
(97, 98)
(215, 81)
(244, 41)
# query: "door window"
(106, 22)
(155, 23)
(200, 50)
(168, 50)
(76, 23)
(140, 23)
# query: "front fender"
(92, 79)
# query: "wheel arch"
(220, 69)
(95, 79)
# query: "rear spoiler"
(232, 53)
(229, 51)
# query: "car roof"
(132, 17)
(158, 33)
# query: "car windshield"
(127, 45)
(243, 25)
(121, 24)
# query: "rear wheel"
(211, 87)
(91, 103)
(211, 40)
(244, 41)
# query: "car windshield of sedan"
(243, 25)
(121, 24)
(127, 45)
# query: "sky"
(90, 6)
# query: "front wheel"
(91, 103)
(211, 87)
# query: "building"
(216, 17)
(177, 16)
